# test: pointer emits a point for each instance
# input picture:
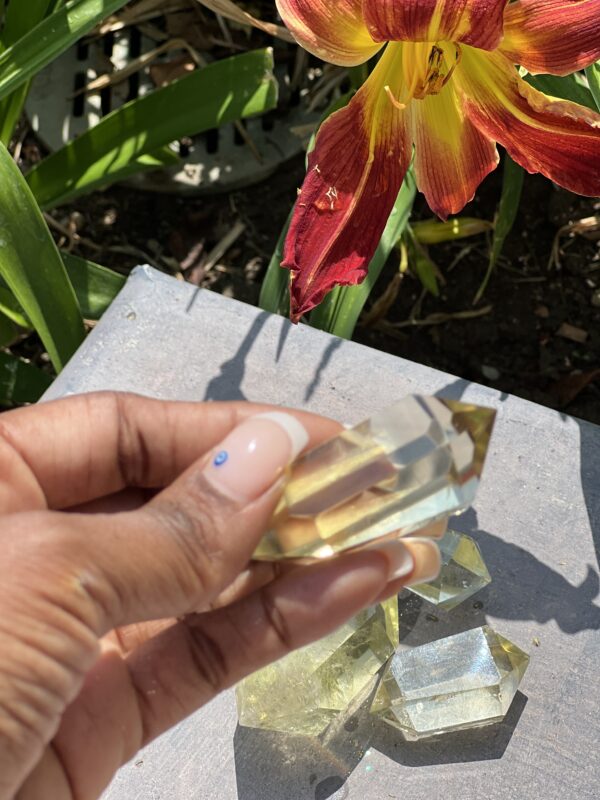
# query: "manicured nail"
(427, 560)
(400, 560)
(253, 456)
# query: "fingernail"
(400, 560)
(253, 456)
(427, 560)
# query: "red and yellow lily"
(446, 83)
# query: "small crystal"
(304, 692)
(464, 681)
(462, 574)
(398, 471)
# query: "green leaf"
(421, 265)
(49, 38)
(510, 199)
(566, 87)
(95, 286)
(340, 310)
(274, 295)
(592, 74)
(20, 18)
(10, 308)
(20, 382)
(11, 108)
(8, 330)
(32, 268)
(225, 91)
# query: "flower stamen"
(393, 99)
(423, 78)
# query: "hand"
(128, 599)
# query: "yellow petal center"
(425, 67)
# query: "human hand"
(128, 599)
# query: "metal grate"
(218, 160)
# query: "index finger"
(71, 451)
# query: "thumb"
(173, 555)
(182, 549)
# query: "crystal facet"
(304, 692)
(462, 574)
(398, 471)
(464, 681)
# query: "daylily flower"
(446, 83)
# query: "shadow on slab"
(328, 354)
(525, 588)
(522, 586)
(227, 385)
(590, 477)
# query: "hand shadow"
(525, 588)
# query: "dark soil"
(515, 346)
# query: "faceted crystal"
(464, 681)
(463, 573)
(404, 468)
(304, 692)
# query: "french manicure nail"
(253, 456)
(427, 559)
(400, 560)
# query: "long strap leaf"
(339, 312)
(510, 199)
(20, 382)
(567, 87)
(51, 37)
(95, 286)
(592, 73)
(19, 19)
(274, 296)
(33, 269)
(227, 90)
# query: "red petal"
(451, 156)
(552, 36)
(475, 22)
(354, 176)
(558, 138)
(334, 31)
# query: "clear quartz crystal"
(462, 574)
(464, 681)
(400, 470)
(305, 691)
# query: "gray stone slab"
(537, 520)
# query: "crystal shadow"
(278, 766)
(479, 744)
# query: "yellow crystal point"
(464, 681)
(400, 470)
(304, 692)
(462, 574)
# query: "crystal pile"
(462, 574)
(402, 469)
(305, 691)
(464, 681)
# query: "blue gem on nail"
(221, 458)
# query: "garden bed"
(536, 332)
